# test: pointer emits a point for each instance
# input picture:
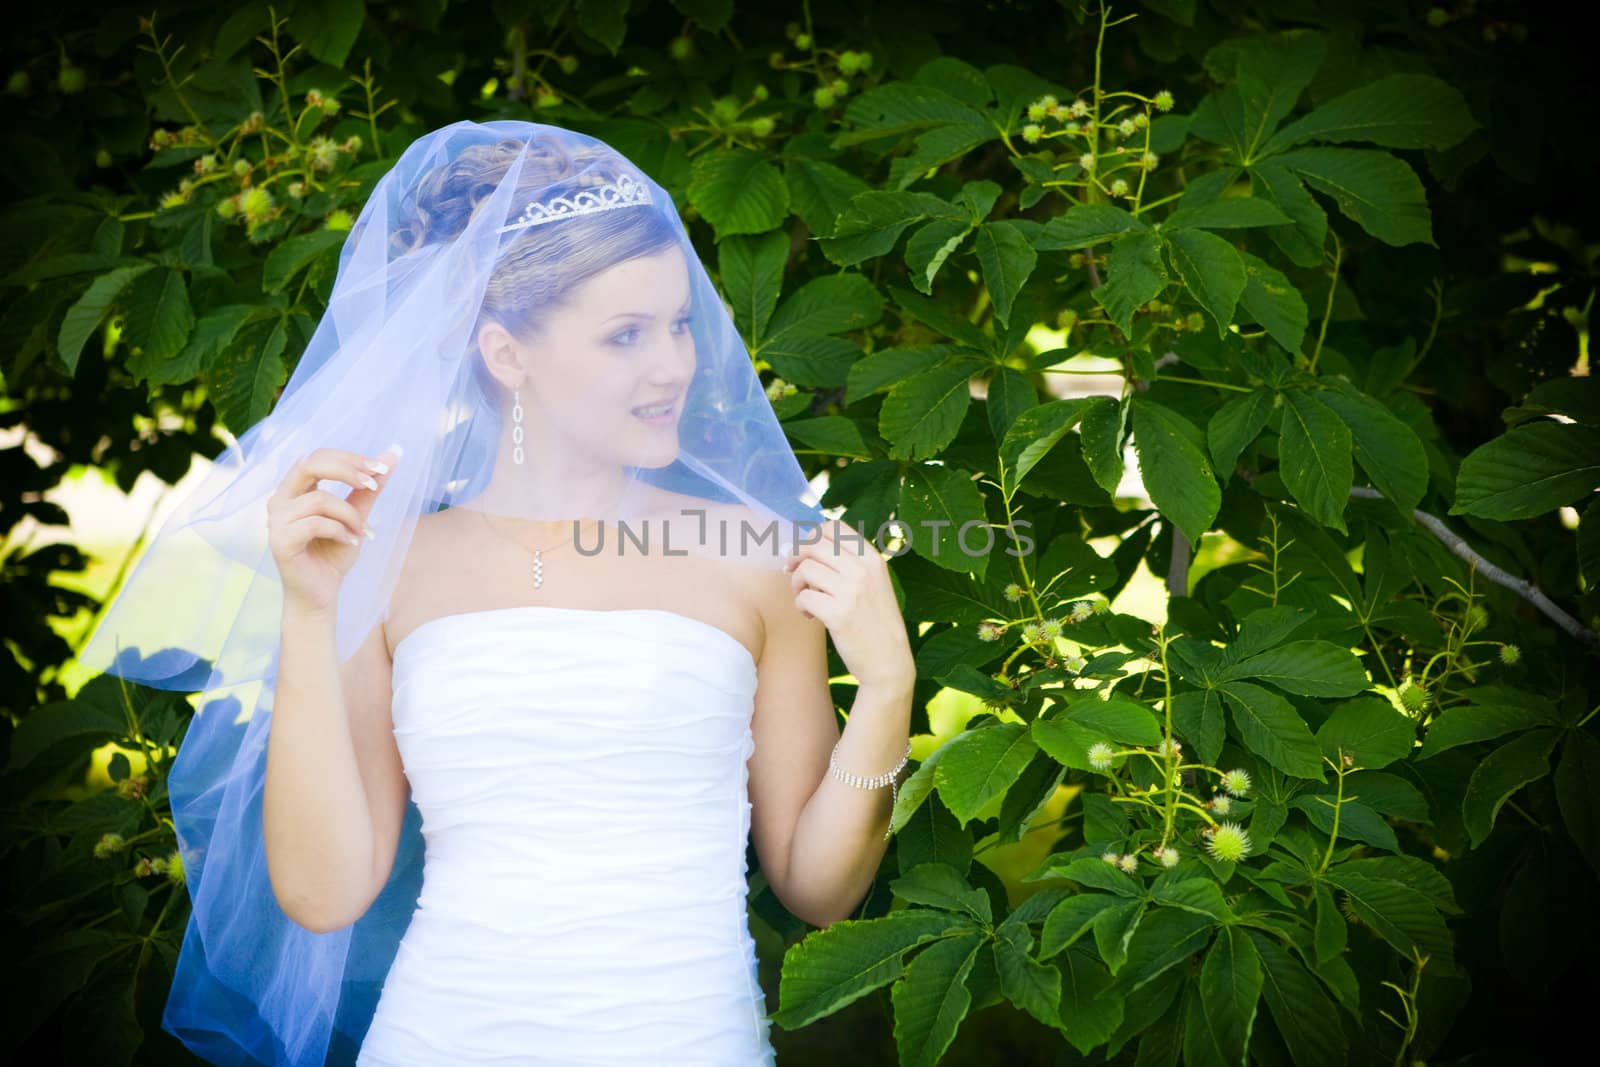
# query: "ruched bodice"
(584, 797)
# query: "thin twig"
(1521, 586)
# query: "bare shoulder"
(423, 553)
(745, 564)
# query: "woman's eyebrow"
(648, 316)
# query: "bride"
(534, 600)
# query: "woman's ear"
(501, 352)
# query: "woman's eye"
(682, 325)
(626, 337)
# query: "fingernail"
(378, 467)
(349, 539)
(368, 531)
(369, 482)
(396, 449)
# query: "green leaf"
(820, 192)
(1400, 913)
(605, 21)
(940, 318)
(160, 317)
(888, 367)
(843, 962)
(1232, 212)
(1069, 920)
(930, 246)
(244, 377)
(1303, 241)
(1387, 449)
(1370, 731)
(1197, 717)
(84, 721)
(713, 15)
(1200, 895)
(1578, 793)
(945, 511)
(1389, 795)
(1498, 777)
(922, 414)
(1117, 718)
(1114, 930)
(873, 222)
(1305, 1017)
(752, 275)
(1264, 628)
(738, 191)
(1577, 398)
(830, 304)
(1134, 276)
(1230, 989)
(1589, 544)
(939, 885)
(1176, 473)
(83, 318)
(1396, 111)
(1470, 723)
(1067, 742)
(328, 30)
(1212, 270)
(1308, 668)
(1273, 301)
(1534, 468)
(1166, 938)
(1375, 190)
(981, 765)
(1314, 458)
(1032, 986)
(1087, 224)
(1010, 393)
(1357, 821)
(811, 359)
(1007, 259)
(1034, 433)
(1235, 425)
(899, 107)
(1095, 873)
(1088, 1019)
(933, 999)
(1331, 934)
(1271, 728)
(1100, 431)
(834, 434)
(296, 254)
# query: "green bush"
(1339, 806)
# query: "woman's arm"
(335, 789)
(820, 839)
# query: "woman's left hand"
(847, 586)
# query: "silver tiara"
(624, 192)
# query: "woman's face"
(610, 367)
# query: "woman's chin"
(656, 453)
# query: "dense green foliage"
(1340, 807)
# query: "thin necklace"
(538, 553)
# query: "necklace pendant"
(538, 569)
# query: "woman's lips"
(656, 414)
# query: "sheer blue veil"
(395, 359)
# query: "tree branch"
(1521, 586)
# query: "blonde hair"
(539, 265)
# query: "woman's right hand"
(314, 534)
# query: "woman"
(520, 684)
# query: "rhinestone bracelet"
(888, 778)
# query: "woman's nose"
(673, 362)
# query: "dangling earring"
(516, 427)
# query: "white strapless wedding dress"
(582, 783)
